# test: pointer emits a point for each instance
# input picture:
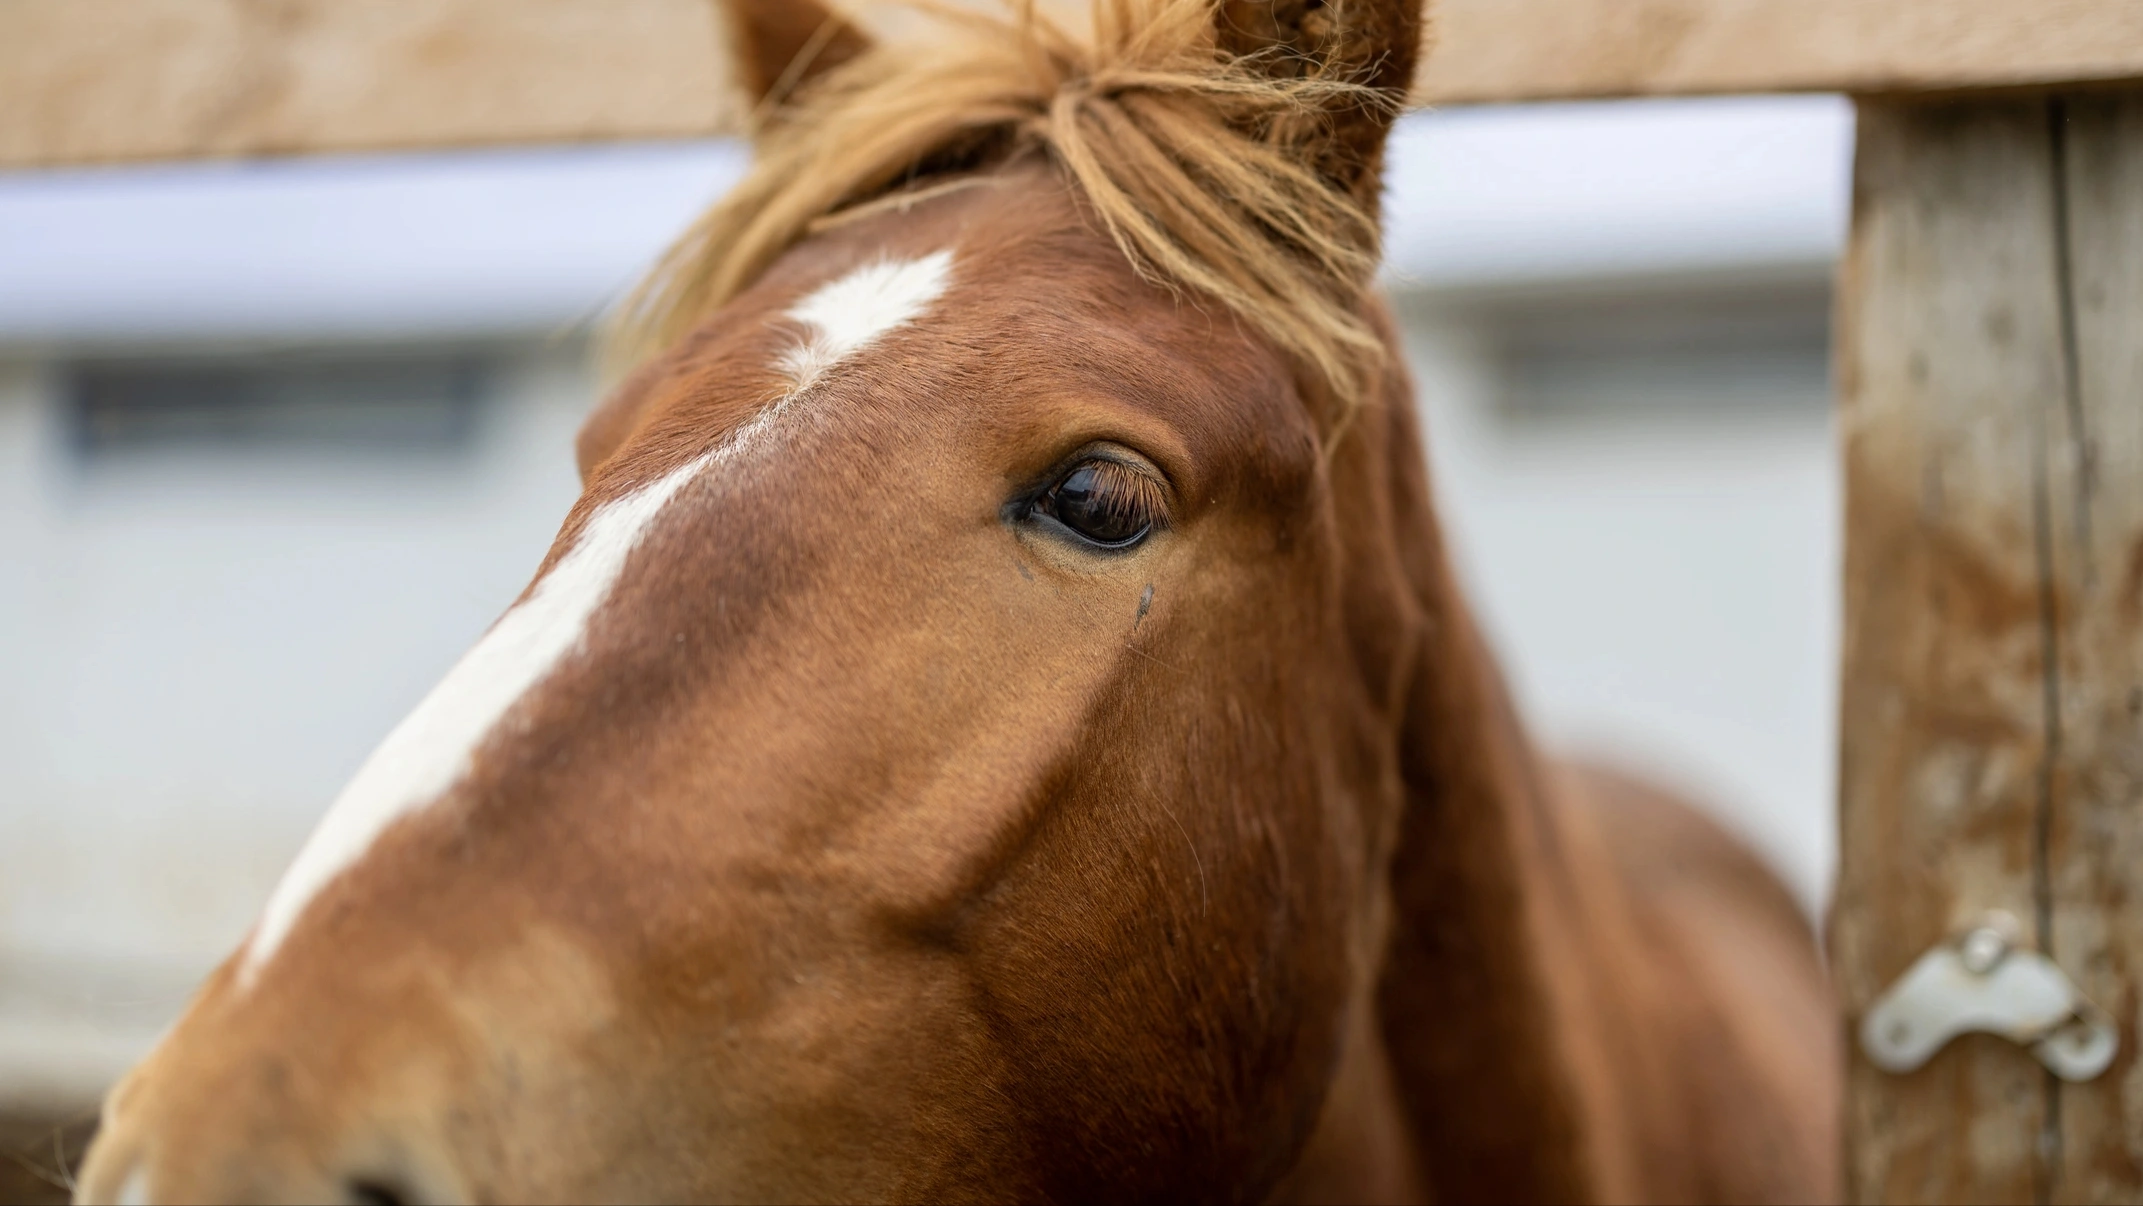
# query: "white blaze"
(430, 751)
(843, 318)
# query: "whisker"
(1156, 661)
(1204, 901)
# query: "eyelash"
(1114, 495)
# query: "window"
(274, 404)
(1718, 357)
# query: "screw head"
(1982, 949)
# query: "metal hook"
(1981, 980)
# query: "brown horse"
(1000, 724)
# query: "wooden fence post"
(1990, 367)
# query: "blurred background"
(279, 439)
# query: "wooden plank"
(1950, 373)
(1516, 50)
(2096, 525)
(94, 81)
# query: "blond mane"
(1194, 161)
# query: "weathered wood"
(1950, 368)
(2095, 501)
(88, 81)
(1991, 384)
(1507, 50)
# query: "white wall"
(1663, 585)
(198, 650)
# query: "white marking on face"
(434, 747)
(431, 749)
(136, 1190)
(844, 317)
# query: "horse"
(1000, 723)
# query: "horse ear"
(780, 44)
(1373, 43)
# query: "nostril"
(398, 1177)
(371, 1191)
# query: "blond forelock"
(1195, 162)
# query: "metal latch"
(1982, 980)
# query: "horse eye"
(1108, 504)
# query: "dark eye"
(1103, 502)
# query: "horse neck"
(1479, 894)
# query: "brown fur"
(875, 847)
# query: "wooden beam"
(1525, 50)
(1992, 729)
(98, 81)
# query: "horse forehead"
(1038, 298)
(434, 750)
(1043, 298)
